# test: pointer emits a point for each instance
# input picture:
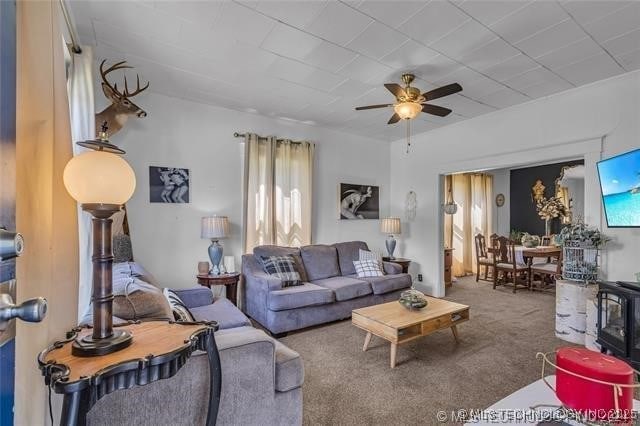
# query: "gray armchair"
(261, 379)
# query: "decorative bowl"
(413, 300)
(530, 241)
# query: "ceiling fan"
(409, 101)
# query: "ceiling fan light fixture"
(407, 110)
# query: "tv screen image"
(620, 184)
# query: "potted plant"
(548, 209)
(581, 244)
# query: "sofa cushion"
(262, 251)
(368, 268)
(347, 253)
(320, 261)
(222, 311)
(389, 283)
(345, 288)
(300, 296)
(283, 267)
(180, 310)
(289, 368)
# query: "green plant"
(516, 235)
(583, 234)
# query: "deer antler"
(138, 89)
(114, 87)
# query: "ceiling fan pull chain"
(408, 135)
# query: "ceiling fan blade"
(436, 110)
(440, 92)
(373, 106)
(396, 89)
(394, 119)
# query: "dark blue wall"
(524, 216)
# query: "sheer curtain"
(473, 192)
(81, 110)
(278, 182)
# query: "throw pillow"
(367, 268)
(369, 255)
(283, 267)
(180, 310)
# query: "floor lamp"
(101, 181)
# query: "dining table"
(523, 254)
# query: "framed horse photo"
(359, 201)
(168, 185)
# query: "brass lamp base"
(88, 346)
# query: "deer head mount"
(116, 114)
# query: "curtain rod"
(242, 135)
(75, 47)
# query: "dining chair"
(545, 240)
(507, 266)
(483, 258)
(545, 270)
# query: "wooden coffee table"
(393, 322)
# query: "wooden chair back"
(504, 251)
(481, 247)
(546, 240)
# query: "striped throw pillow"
(283, 267)
(179, 309)
(367, 268)
(369, 255)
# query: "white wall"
(179, 133)
(561, 126)
(501, 215)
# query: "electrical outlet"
(420, 277)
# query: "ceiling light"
(407, 110)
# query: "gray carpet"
(495, 357)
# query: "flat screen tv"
(620, 184)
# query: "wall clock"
(500, 200)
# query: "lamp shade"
(390, 225)
(407, 110)
(99, 177)
(215, 227)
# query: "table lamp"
(101, 181)
(391, 226)
(215, 228)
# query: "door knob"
(32, 310)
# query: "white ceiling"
(314, 61)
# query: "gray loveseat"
(331, 288)
(261, 378)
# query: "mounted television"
(620, 185)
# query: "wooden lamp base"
(90, 346)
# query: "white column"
(592, 319)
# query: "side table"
(400, 261)
(230, 281)
(159, 350)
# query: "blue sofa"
(331, 288)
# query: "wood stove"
(619, 320)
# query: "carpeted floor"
(495, 357)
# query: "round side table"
(230, 281)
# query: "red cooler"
(589, 397)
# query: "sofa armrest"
(195, 296)
(392, 268)
(269, 282)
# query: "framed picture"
(359, 201)
(168, 185)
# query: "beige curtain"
(473, 192)
(45, 214)
(278, 192)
